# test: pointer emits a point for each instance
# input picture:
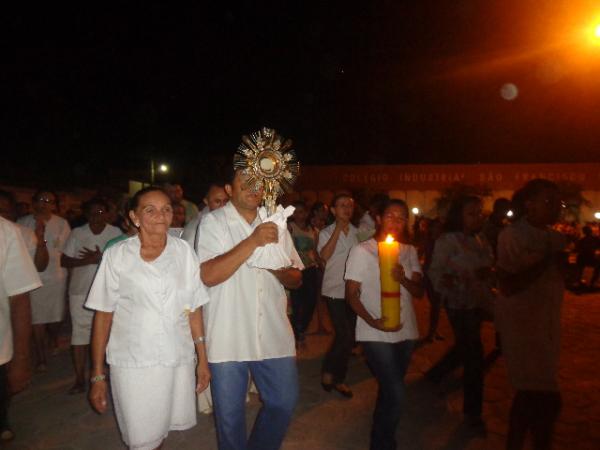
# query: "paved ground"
(45, 417)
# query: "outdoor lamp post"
(162, 168)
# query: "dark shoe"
(327, 381)
(343, 390)
(327, 387)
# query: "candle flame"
(389, 239)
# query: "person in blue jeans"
(247, 328)
(388, 351)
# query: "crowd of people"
(172, 298)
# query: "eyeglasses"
(46, 200)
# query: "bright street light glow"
(597, 215)
(509, 213)
(163, 168)
(415, 211)
(593, 34)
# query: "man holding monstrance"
(247, 261)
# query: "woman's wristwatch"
(97, 378)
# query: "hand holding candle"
(389, 251)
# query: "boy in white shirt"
(335, 242)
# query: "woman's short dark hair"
(339, 196)
(9, 197)
(405, 239)
(391, 202)
(531, 190)
(94, 201)
(36, 196)
(454, 218)
(135, 200)
(299, 204)
(316, 206)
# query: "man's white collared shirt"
(246, 318)
(151, 302)
(333, 278)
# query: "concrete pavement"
(45, 417)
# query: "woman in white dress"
(148, 324)
(48, 302)
(82, 254)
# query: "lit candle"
(390, 288)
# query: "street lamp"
(162, 168)
(593, 34)
(415, 211)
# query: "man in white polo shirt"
(247, 328)
(18, 276)
(215, 198)
(335, 242)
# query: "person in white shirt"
(175, 192)
(178, 220)
(388, 351)
(367, 225)
(18, 277)
(215, 198)
(335, 242)
(82, 254)
(34, 240)
(147, 295)
(48, 302)
(247, 326)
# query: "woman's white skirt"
(150, 401)
(81, 320)
(48, 303)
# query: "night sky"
(87, 89)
